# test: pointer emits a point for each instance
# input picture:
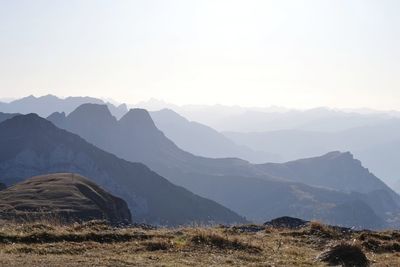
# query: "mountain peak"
(138, 117)
(92, 111)
(29, 122)
(338, 154)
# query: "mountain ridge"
(220, 179)
(32, 146)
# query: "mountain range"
(46, 105)
(31, 146)
(375, 145)
(258, 192)
(258, 135)
(202, 140)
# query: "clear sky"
(298, 53)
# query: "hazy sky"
(339, 53)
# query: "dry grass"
(98, 244)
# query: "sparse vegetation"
(214, 240)
(97, 243)
(343, 254)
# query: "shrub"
(345, 255)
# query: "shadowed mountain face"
(30, 146)
(46, 105)
(64, 196)
(255, 191)
(6, 116)
(202, 140)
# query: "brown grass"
(98, 244)
(214, 240)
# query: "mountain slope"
(64, 196)
(245, 188)
(30, 146)
(202, 140)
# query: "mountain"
(335, 170)
(31, 146)
(63, 196)
(338, 171)
(263, 119)
(364, 142)
(46, 105)
(6, 116)
(245, 188)
(2, 186)
(202, 140)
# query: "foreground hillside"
(97, 244)
(65, 195)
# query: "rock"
(287, 222)
(251, 228)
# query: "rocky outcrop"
(286, 222)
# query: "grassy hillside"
(96, 243)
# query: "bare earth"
(97, 244)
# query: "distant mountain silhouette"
(30, 146)
(334, 170)
(245, 188)
(46, 105)
(2, 186)
(375, 145)
(263, 119)
(339, 171)
(253, 120)
(202, 140)
(61, 196)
